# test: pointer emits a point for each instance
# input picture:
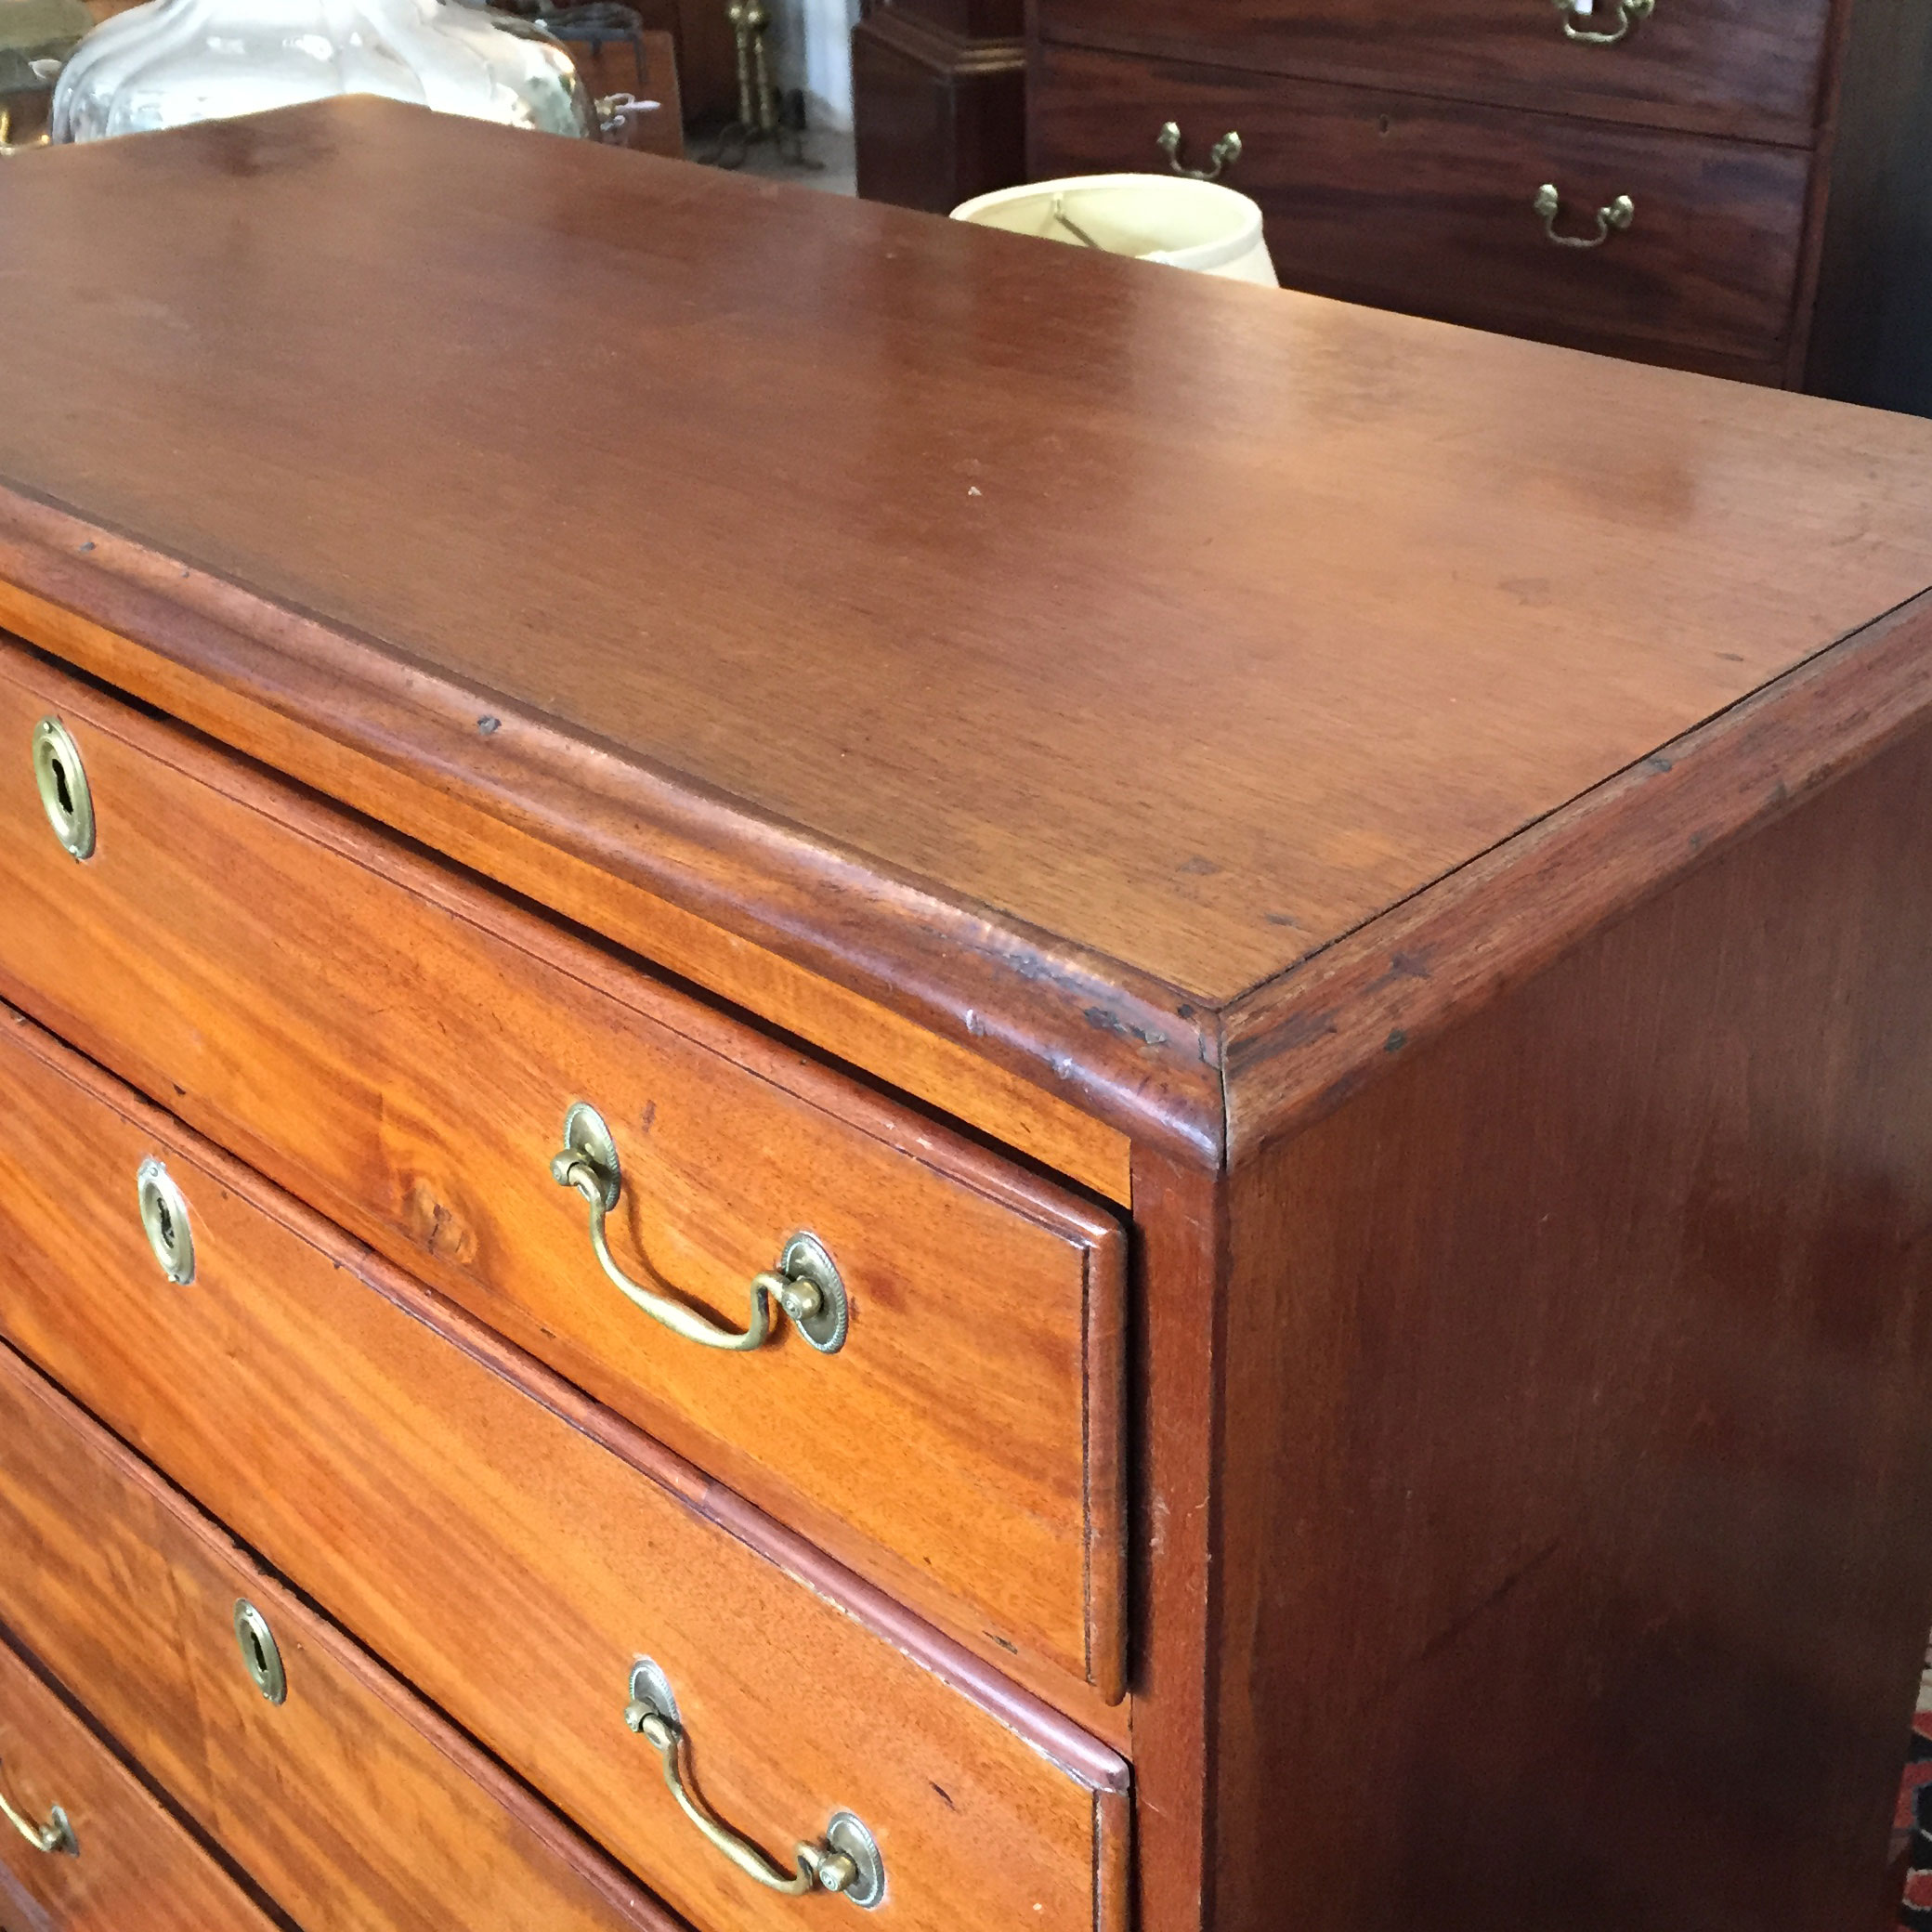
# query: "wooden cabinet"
(1318, 914)
(938, 101)
(1382, 195)
(1399, 152)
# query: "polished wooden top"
(1176, 626)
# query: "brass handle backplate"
(1617, 214)
(1223, 154)
(1627, 13)
(804, 1283)
(845, 1859)
(55, 1836)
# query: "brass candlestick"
(762, 114)
(757, 102)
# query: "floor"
(836, 173)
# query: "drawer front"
(348, 1801)
(117, 1860)
(1427, 207)
(1743, 67)
(399, 1047)
(513, 1550)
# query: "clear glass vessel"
(172, 61)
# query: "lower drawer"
(104, 1856)
(356, 1807)
(1429, 206)
(515, 1552)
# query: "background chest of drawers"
(949, 1193)
(1772, 159)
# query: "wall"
(813, 42)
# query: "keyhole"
(259, 1656)
(65, 796)
(1382, 124)
(167, 1222)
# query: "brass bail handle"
(804, 1284)
(846, 1861)
(1617, 214)
(1223, 154)
(55, 1836)
(1627, 15)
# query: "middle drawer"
(399, 1046)
(515, 1553)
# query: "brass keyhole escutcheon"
(261, 1656)
(165, 1220)
(62, 780)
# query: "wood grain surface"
(939, 112)
(1578, 1423)
(982, 1090)
(399, 1047)
(1748, 67)
(1120, 631)
(352, 1804)
(511, 1550)
(1408, 202)
(135, 1864)
(1177, 1323)
(1301, 1047)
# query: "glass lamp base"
(169, 62)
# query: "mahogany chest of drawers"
(1735, 186)
(1080, 1101)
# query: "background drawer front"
(135, 1867)
(398, 1047)
(1745, 67)
(352, 1804)
(1427, 207)
(495, 1538)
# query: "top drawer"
(1744, 67)
(400, 1047)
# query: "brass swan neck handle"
(1612, 216)
(846, 1861)
(1627, 13)
(804, 1286)
(56, 1837)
